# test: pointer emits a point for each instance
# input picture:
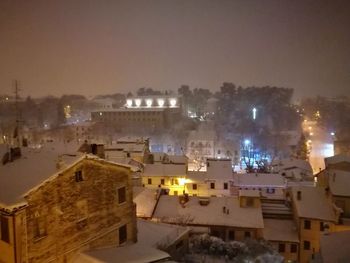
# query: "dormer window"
(78, 176)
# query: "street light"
(246, 142)
(254, 110)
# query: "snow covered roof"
(249, 193)
(337, 159)
(145, 200)
(313, 204)
(339, 182)
(160, 169)
(259, 180)
(34, 166)
(150, 236)
(289, 163)
(219, 169)
(126, 147)
(280, 230)
(170, 210)
(333, 247)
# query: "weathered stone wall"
(79, 215)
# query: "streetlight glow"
(254, 110)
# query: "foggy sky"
(100, 47)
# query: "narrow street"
(320, 144)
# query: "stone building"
(52, 208)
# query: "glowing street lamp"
(138, 102)
(129, 102)
(172, 102)
(246, 142)
(254, 111)
(160, 102)
(332, 133)
(149, 102)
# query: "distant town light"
(332, 133)
(160, 102)
(129, 102)
(149, 102)
(182, 181)
(138, 102)
(100, 113)
(246, 142)
(311, 133)
(172, 102)
(254, 110)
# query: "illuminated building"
(55, 206)
(149, 112)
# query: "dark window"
(321, 226)
(231, 235)
(122, 234)
(225, 186)
(212, 185)
(250, 201)
(307, 224)
(246, 234)
(149, 181)
(5, 234)
(78, 176)
(194, 186)
(162, 181)
(179, 245)
(293, 248)
(39, 227)
(281, 248)
(306, 245)
(121, 195)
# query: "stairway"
(276, 209)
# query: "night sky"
(100, 47)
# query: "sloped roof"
(145, 200)
(337, 159)
(333, 247)
(170, 210)
(159, 169)
(314, 203)
(219, 169)
(259, 180)
(288, 163)
(33, 167)
(280, 230)
(339, 182)
(149, 236)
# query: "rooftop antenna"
(16, 136)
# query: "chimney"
(299, 195)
